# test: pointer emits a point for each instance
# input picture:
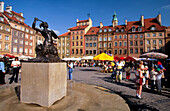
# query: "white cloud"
(166, 7)
(57, 32)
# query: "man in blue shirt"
(2, 72)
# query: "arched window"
(105, 30)
(100, 30)
(110, 30)
(133, 29)
(122, 29)
(139, 28)
(117, 29)
(153, 27)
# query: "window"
(110, 30)
(125, 43)
(136, 50)
(67, 51)
(76, 51)
(100, 39)
(110, 38)
(21, 35)
(139, 29)
(141, 50)
(94, 51)
(115, 36)
(130, 36)
(1, 19)
(1, 27)
(120, 36)
(26, 36)
(0, 36)
(77, 43)
(77, 32)
(26, 51)
(141, 36)
(30, 43)
(120, 51)
(58, 51)
(63, 44)
(105, 30)
(110, 45)
(81, 31)
(7, 29)
(160, 41)
(26, 42)
(60, 44)
(117, 30)
(136, 36)
(87, 44)
(94, 44)
(87, 38)
(72, 32)
(100, 45)
(81, 43)
(63, 51)
(154, 48)
(100, 30)
(125, 36)
(131, 43)
(77, 37)
(39, 38)
(160, 34)
(21, 28)
(122, 30)
(90, 51)
(105, 45)
(133, 29)
(6, 46)
(31, 32)
(148, 49)
(153, 28)
(115, 43)
(87, 51)
(27, 30)
(131, 51)
(90, 38)
(15, 40)
(90, 44)
(15, 26)
(154, 34)
(148, 35)
(120, 43)
(31, 37)
(73, 37)
(105, 38)
(30, 51)
(14, 49)
(6, 37)
(148, 42)
(125, 51)
(81, 37)
(20, 50)
(141, 42)
(94, 38)
(154, 41)
(67, 44)
(81, 51)
(72, 51)
(136, 43)
(115, 52)
(0, 46)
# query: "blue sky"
(62, 14)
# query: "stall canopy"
(122, 58)
(103, 56)
(88, 58)
(116, 58)
(1, 56)
(71, 59)
(154, 55)
(10, 56)
(129, 59)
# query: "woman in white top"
(16, 66)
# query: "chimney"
(125, 22)
(1, 6)
(9, 8)
(101, 24)
(159, 18)
(21, 14)
(142, 20)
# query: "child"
(153, 74)
(146, 76)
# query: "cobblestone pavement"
(126, 89)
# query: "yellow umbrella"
(103, 56)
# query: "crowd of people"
(15, 64)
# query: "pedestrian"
(127, 70)
(2, 72)
(70, 66)
(119, 71)
(16, 66)
(139, 78)
(147, 76)
(153, 74)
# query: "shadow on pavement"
(17, 91)
(88, 70)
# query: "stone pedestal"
(43, 83)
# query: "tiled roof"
(5, 21)
(78, 27)
(93, 31)
(65, 34)
(107, 27)
(120, 27)
(17, 14)
(82, 21)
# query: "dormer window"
(122, 30)
(139, 28)
(153, 28)
(100, 30)
(133, 29)
(117, 30)
(1, 19)
(110, 30)
(105, 30)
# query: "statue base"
(43, 83)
